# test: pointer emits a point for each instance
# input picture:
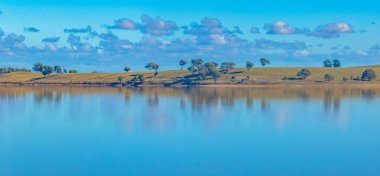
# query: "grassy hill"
(270, 75)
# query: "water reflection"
(199, 97)
(164, 107)
(174, 131)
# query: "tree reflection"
(327, 100)
(368, 94)
(49, 96)
(214, 102)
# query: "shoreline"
(257, 78)
(204, 85)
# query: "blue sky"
(291, 32)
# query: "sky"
(106, 35)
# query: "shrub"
(328, 77)
(368, 75)
(226, 67)
(120, 79)
(304, 73)
(138, 78)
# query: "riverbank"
(258, 77)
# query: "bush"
(73, 71)
(328, 77)
(304, 73)
(368, 75)
(120, 79)
(138, 78)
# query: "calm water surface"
(114, 131)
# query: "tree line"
(367, 75)
(334, 63)
(201, 69)
(47, 70)
(4, 70)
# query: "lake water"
(208, 131)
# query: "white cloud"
(282, 28)
(332, 30)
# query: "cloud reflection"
(171, 108)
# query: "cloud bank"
(282, 28)
(332, 30)
(151, 26)
(163, 40)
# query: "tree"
(182, 63)
(264, 61)
(328, 77)
(58, 69)
(73, 71)
(196, 62)
(120, 79)
(210, 65)
(226, 67)
(195, 66)
(193, 69)
(127, 69)
(249, 65)
(64, 70)
(327, 63)
(304, 73)
(12, 69)
(3, 70)
(214, 73)
(155, 67)
(38, 67)
(203, 71)
(369, 75)
(149, 67)
(47, 70)
(152, 66)
(336, 63)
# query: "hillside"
(270, 75)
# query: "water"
(114, 131)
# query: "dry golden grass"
(257, 75)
